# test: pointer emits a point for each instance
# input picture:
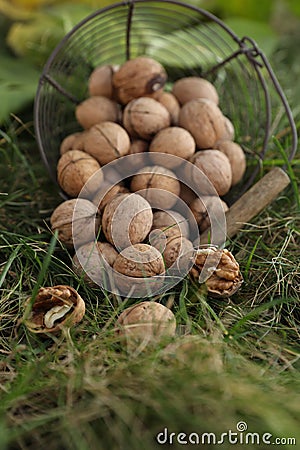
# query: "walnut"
(236, 156)
(100, 81)
(74, 169)
(216, 166)
(204, 120)
(175, 250)
(91, 261)
(82, 227)
(106, 142)
(139, 77)
(190, 88)
(171, 219)
(173, 141)
(73, 141)
(158, 185)
(205, 207)
(95, 110)
(170, 102)
(54, 308)
(145, 323)
(220, 270)
(127, 220)
(186, 193)
(229, 129)
(139, 271)
(144, 117)
(105, 194)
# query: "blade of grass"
(290, 171)
(42, 273)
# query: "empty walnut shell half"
(224, 277)
(54, 308)
(144, 323)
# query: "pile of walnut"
(129, 112)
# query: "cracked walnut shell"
(53, 308)
(220, 269)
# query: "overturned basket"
(187, 41)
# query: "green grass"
(80, 390)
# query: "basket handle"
(252, 202)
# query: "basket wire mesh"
(187, 41)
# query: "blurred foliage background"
(31, 29)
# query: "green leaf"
(18, 83)
(37, 38)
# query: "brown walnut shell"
(91, 261)
(225, 276)
(139, 77)
(236, 156)
(189, 88)
(95, 110)
(53, 308)
(127, 220)
(144, 117)
(173, 141)
(73, 141)
(158, 185)
(83, 229)
(106, 142)
(170, 102)
(74, 169)
(204, 120)
(106, 194)
(100, 81)
(205, 206)
(171, 219)
(144, 323)
(216, 166)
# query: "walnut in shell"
(145, 323)
(95, 110)
(186, 193)
(139, 271)
(170, 102)
(73, 141)
(106, 194)
(216, 166)
(53, 308)
(173, 141)
(144, 117)
(106, 142)
(139, 77)
(127, 219)
(204, 120)
(158, 185)
(91, 261)
(224, 276)
(75, 219)
(74, 169)
(171, 219)
(177, 251)
(206, 207)
(189, 88)
(236, 156)
(100, 81)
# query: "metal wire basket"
(187, 41)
